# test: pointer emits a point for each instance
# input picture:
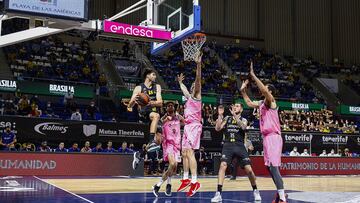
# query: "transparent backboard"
(181, 17)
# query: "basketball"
(143, 99)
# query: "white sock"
(282, 194)
(186, 175)
(169, 180)
(193, 178)
(160, 182)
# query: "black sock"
(254, 187)
(219, 188)
(151, 137)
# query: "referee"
(234, 134)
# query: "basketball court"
(168, 22)
(301, 189)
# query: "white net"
(192, 46)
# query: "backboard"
(181, 17)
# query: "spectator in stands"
(201, 159)
(347, 153)
(91, 110)
(34, 100)
(124, 149)
(132, 147)
(23, 106)
(98, 148)
(12, 147)
(44, 147)
(7, 138)
(50, 111)
(332, 153)
(61, 148)
(74, 148)
(326, 129)
(86, 71)
(102, 80)
(69, 96)
(207, 115)
(180, 110)
(76, 116)
(73, 48)
(35, 111)
(2, 104)
(74, 76)
(339, 153)
(86, 148)
(109, 148)
(294, 152)
(305, 153)
(323, 153)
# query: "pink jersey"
(192, 111)
(171, 132)
(269, 120)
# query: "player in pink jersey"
(171, 143)
(270, 130)
(192, 130)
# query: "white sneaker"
(136, 160)
(217, 198)
(257, 196)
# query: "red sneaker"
(278, 200)
(194, 187)
(184, 184)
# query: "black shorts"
(144, 114)
(235, 150)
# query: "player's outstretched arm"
(247, 99)
(268, 96)
(134, 98)
(159, 101)
(197, 88)
(180, 79)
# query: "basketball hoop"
(192, 45)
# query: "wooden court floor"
(141, 185)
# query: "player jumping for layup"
(270, 129)
(150, 111)
(234, 137)
(192, 130)
(171, 144)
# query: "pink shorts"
(272, 145)
(192, 135)
(170, 149)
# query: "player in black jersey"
(149, 112)
(234, 127)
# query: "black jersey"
(151, 91)
(232, 131)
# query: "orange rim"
(198, 37)
(199, 34)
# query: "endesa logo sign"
(136, 31)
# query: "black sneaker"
(156, 190)
(136, 160)
(153, 147)
(233, 178)
(168, 190)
